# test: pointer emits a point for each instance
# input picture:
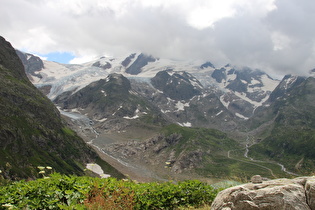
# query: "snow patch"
(186, 124)
(104, 93)
(243, 96)
(290, 81)
(225, 104)
(97, 169)
(101, 120)
(181, 106)
(268, 83)
(231, 77)
(75, 110)
(171, 73)
(219, 113)
(241, 116)
(195, 83)
(254, 82)
(131, 118)
(135, 116)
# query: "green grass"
(68, 131)
(214, 146)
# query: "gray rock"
(310, 192)
(298, 193)
(256, 179)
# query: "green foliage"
(169, 196)
(72, 192)
(290, 136)
(289, 146)
(212, 147)
(68, 131)
(206, 137)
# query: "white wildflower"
(41, 167)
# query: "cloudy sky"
(277, 36)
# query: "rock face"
(177, 86)
(140, 62)
(31, 63)
(298, 193)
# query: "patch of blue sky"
(60, 57)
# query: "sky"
(277, 36)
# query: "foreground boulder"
(286, 194)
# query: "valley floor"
(131, 172)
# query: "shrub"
(72, 192)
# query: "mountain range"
(201, 120)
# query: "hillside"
(180, 152)
(32, 132)
(291, 138)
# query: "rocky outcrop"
(288, 83)
(127, 60)
(32, 64)
(298, 193)
(177, 85)
(141, 61)
(207, 65)
(105, 65)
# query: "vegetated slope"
(291, 136)
(182, 152)
(31, 130)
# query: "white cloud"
(38, 40)
(82, 59)
(275, 35)
(280, 41)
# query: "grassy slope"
(292, 137)
(31, 130)
(214, 146)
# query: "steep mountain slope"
(141, 61)
(177, 85)
(184, 100)
(32, 64)
(31, 130)
(291, 137)
(245, 89)
(111, 103)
